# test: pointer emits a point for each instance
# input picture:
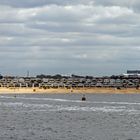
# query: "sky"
(83, 37)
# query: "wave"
(76, 101)
(20, 106)
(47, 99)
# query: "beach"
(95, 90)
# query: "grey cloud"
(102, 27)
(114, 2)
(107, 35)
(25, 3)
(132, 4)
(38, 3)
(96, 20)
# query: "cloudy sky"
(85, 37)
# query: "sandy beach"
(4, 90)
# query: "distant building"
(132, 73)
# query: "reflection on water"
(66, 117)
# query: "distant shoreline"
(94, 90)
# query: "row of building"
(121, 81)
(69, 82)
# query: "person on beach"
(83, 98)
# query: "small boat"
(83, 98)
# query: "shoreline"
(94, 90)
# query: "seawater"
(66, 117)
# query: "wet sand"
(32, 90)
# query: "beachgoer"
(83, 98)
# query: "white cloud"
(69, 36)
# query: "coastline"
(94, 90)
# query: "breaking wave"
(19, 106)
(76, 101)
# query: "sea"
(66, 117)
